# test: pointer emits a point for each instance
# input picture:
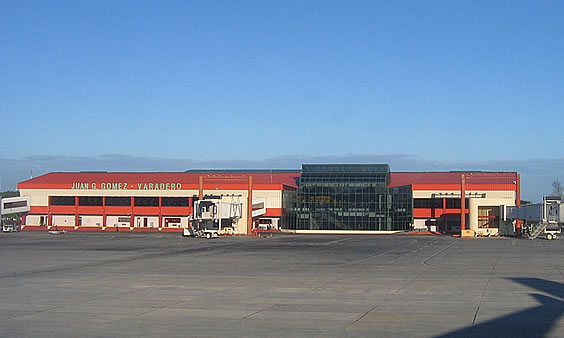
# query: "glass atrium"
(351, 197)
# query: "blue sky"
(463, 83)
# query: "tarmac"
(165, 285)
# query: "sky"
(162, 85)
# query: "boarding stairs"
(541, 218)
(537, 230)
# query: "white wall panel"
(183, 221)
(91, 220)
(65, 220)
(120, 220)
(152, 222)
(35, 219)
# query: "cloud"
(537, 175)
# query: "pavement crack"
(360, 318)
(473, 321)
(145, 312)
(486, 288)
(252, 314)
(259, 311)
(363, 260)
(375, 255)
(426, 260)
(418, 274)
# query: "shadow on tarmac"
(537, 321)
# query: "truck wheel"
(549, 237)
(208, 235)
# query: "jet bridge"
(12, 206)
(215, 215)
(546, 217)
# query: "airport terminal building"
(320, 198)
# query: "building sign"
(126, 186)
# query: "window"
(428, 203)
(421, 203)
(175, 201)
(488, 217)
(90, 201)
(62, 200)
(19, 204)
(454, 203)
(118, 201)
(146, 201)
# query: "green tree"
(525, 202)
(10, 194)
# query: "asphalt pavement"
(165, 285)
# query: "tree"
(525, 202)
(557, 189)
(6, 194)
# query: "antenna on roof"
(30, 173)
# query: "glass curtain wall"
(288, 220)
(351, 197)
(402, 208)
